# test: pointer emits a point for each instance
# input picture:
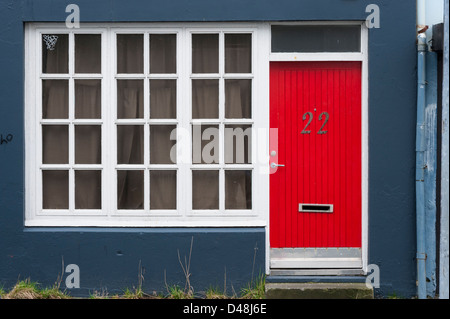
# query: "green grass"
(255, 289)
(27, 289)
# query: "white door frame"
(286, 259)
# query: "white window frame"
(109, 216)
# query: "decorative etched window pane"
(88, 140)
(205, 53)
(130, 189)
(238, 146)
(163, 53)
(55, 53)
(55, 189)
(88, 95)
(205, 99)
(163, 189)
(162, 148)
(130, 144)
(238, 53)
(205, 144)
(55, 99)
(238, 99)
(88, 53)
(163, 99)
(238, 189)
(88, 189)
(130, 99)
(315, 38)
(55, 144)
(130, 53)
(205, 189)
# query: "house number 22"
(310, 118)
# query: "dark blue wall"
(36, 253)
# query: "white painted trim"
(365, 147)
(327, 263)
(295, 57)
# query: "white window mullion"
(109, 189)
(221, 118)
(146, 119)
(184, 111)
(71, 125)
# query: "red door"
(315, 199)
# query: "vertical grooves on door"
(320, 168)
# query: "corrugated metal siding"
(320, 168)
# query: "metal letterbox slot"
(315, 208)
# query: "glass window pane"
(88, 95)
(55, 53)
(238, 53)
(130, 53)
(130, 144)
(162, 148)
(205, 53)
(55, 99)
(205, 189)
(238, 99)
(330, 38)
(163, 53)
(55, 189)
(130, 189)
(238, 189)
(205, 144)
(163, 99)
(55, 144)
(88, 189)
(88, 53)
(163, 189)
(238, 145)
(205, 99)
(88, 139)
(130, 99)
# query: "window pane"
(205, 189)
(88, 95)
(130, 99)
(88, 139)
(55, 189)
(205, 144)
(238, 189)
(55, 144)
(88, 53)
(163, 189)
(163, 99)
(55, 99)
(163, 53)
(88, 189)
(130, 144)
(205, 99)
(238, 99)
(205, 53)
(130, 189)
(238, 146)
(331, 38)
(55, 53)
(130, 53)
(238, 53)
(162, 149)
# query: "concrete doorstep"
(318, 291)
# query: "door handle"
(273, 165)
